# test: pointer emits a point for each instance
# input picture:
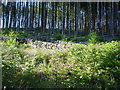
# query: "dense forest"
(60, 45)
(67, 17)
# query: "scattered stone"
(75, 42)
(83, 43)
(49, 43)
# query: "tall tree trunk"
(112, 17)
(55, 14)
(26, 16)
(117, 19)
(39, 16)
(68, 17)
(33, 12)
(53, 17)
(3, 10)
(43, 20)
(11, 15)
(22, 15)
(76, 19)
(45, 16)
(7, 15)
(98, 17)
(19, 14)
(36, 22)
(90, 17)
(63, 18)
(102, 19)
(1, 14)
(14, 20)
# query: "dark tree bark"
(26, 15)
(102, 19)
(76, 20)
(112, 19)
(56, 4)
(3, 17)
(39, 16)
(11, 15)
(53, 17)
(43, 18)
(63, 19)
(68, 17)
(7, 15)
(90, 17)
(98, 17)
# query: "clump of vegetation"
(116, 38)
(11, 41)
(57, 36)
(81, 66)
(92, 37)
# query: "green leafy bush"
(92, 37)
(57, 36)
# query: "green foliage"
(83, 66)
(92, 37)
(116, 38)
(12, 34)
(80, 66)
(11, 42)
(101, 39)
(57, 36)
(14, 63)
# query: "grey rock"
(83, 43)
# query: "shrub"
(92, 37)
(57, 36)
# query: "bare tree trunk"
(11, 16)
(36, 5)
(33, 15)
(98, 16)
(45, 16)
(90, 17)
(26, 16)
(56, 4)
(3, 9)
(39, 16)
(14, 24)
(43, 20)
(117, 19)
(68, 17)
(111, 19)
(76, 20)
(63, 18)
(7, 15)
(102, 19)
(53, 17)
(19, 15)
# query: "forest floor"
(53, 63)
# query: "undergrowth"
(95, 65)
